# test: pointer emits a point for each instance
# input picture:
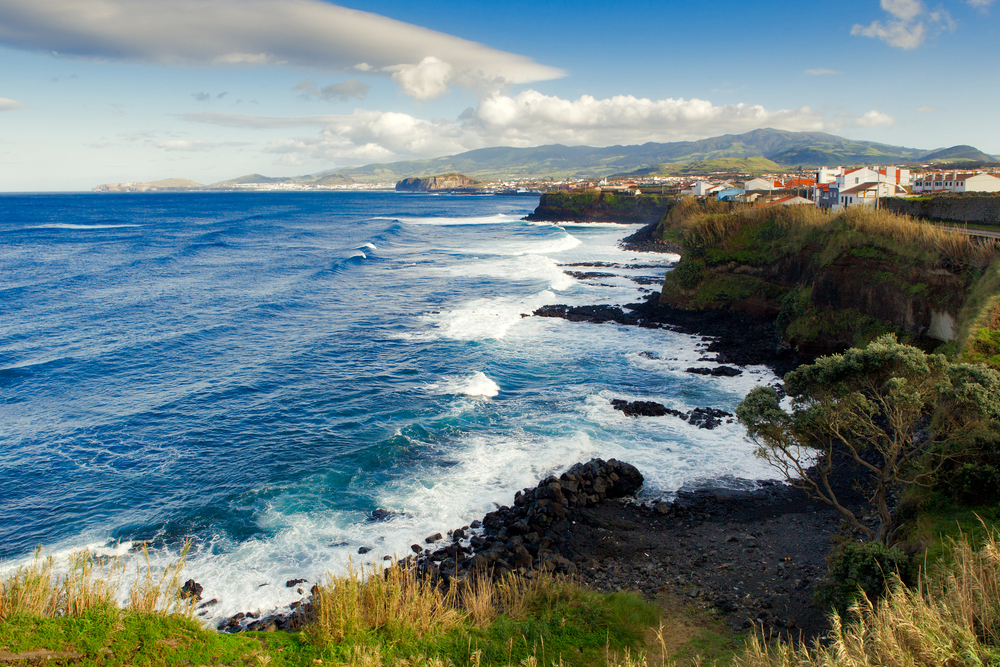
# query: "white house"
(956, 182)
(758, 184)
(866, 194)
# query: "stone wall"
(969, 209)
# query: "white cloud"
(909, 25)
(9, 105)
(926, 108)
(527, 119)
(304, 33)
(982, 5)
(875, 119)
(425, 80)
(188, 146)
(821, 72)
(335, 91)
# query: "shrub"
(858, 568)
(974, 483)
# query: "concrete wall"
(967, 209)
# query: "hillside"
(958, 154)
(558, 161)
(722, 165)
(752, 152)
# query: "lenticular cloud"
(307, 33)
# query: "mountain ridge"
(789, 150)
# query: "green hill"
(759, 151)
(558, 161)
(722, 165)
(958, 154)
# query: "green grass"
(547, 621)
(114, 637)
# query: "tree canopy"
(895, 411)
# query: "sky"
(99, 91)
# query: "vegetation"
(951, 618)
(371, 619)
(867, 406)
(772, 259)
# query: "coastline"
(751, 551)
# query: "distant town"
(830, 188)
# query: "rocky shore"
(753, 555)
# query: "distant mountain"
(558, 161)
(759, 149)
(165, 185)
(958, 154)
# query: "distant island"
(759, 151)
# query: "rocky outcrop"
(707, 418)
(600, 207)
(444, 183)
(522, 537)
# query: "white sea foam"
(66, 225)
(481, 319)
(497, 219)
(367, 246)
(465, 470)
(477, 385)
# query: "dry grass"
(399, 605)
(951, 619)
(35, 589)
(90, 582)
(396, 601)
(961, 250)
(158, 592)
(708, 224)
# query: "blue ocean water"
(258, 372)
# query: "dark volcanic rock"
(520, 537)
(720, 371)
(590, 275)
(737, 338)
(707, 418)
(644, 408)
(191, 589)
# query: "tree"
(897, 412)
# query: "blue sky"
(96, 91)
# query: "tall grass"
(708, 224)
(952, 618)
(398, 602)
(961, 250)
(87, 583)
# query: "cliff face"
(600, 207)
(444, 182)
(828, 288)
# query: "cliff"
(830, 282)
(600, 207)
(976, 209)
(445, 182)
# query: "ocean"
(257, 373)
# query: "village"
(828, 188)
